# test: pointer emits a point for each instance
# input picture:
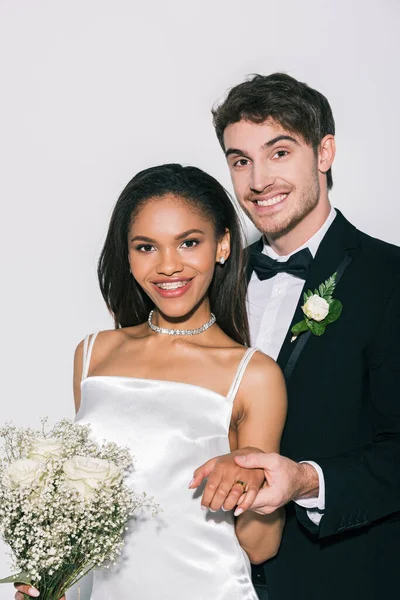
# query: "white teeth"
(172, 285)
(271, 201)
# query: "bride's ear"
(223, 248)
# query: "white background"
(93, 91)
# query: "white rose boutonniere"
(316, 308)
(319, 309)
(85, 474)
(44, 448)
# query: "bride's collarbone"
(159, 357)
(202, 370)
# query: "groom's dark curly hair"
(297, 107)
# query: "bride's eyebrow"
(188, 232)
(143, 238)
(180, 236)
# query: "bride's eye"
(189, 243)
(145, 248)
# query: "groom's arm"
(363, 485)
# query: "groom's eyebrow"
(279, 138)
(268, 144)
(235, 151)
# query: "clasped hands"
(252, 479)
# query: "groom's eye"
(242, 162)
(280, 154)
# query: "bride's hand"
(29, 591)
(228, 484)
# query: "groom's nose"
(262, 177)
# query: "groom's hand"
(226, 482)
(285, 480)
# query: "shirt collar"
(312, 244)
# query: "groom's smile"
(274, 174)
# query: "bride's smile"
(173, 252)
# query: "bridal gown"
(183, 553)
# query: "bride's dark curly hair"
(125, 299)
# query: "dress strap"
(240, 372)
(87, 353)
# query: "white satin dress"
(184, 553)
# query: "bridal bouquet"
(64, 505)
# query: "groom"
(342, 363)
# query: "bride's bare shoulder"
(263, 370)
(123, 334)
(109, 340)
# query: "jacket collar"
(340, 239)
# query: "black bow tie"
(266, 267)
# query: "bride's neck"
(192, 320)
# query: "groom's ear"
(223, 246)
(326, 153)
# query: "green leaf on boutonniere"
(315, 327)
(327, 288)
(299, 328)
(335, 310)
(307, 295)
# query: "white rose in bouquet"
(23, 472)
(43, 448)
(55, 536)
(316, 308)
(86, 474)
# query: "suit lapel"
(340, 240)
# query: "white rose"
(44, 448)
(316, 308)
(23, 472)
(85, 474)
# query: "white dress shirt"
(271, 305)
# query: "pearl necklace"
(180, 331)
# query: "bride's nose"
(170, 262)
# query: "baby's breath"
(55, 535)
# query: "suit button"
(258, 575)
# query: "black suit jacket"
(344, 413)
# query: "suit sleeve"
(363, 485)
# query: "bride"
(176, 382)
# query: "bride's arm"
(78, 366)
(261, 413)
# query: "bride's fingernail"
(212, 510)
(203, 507)
(224, 509)
(191, 483)
(238, 512)
(241, 457)
(33, 592)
